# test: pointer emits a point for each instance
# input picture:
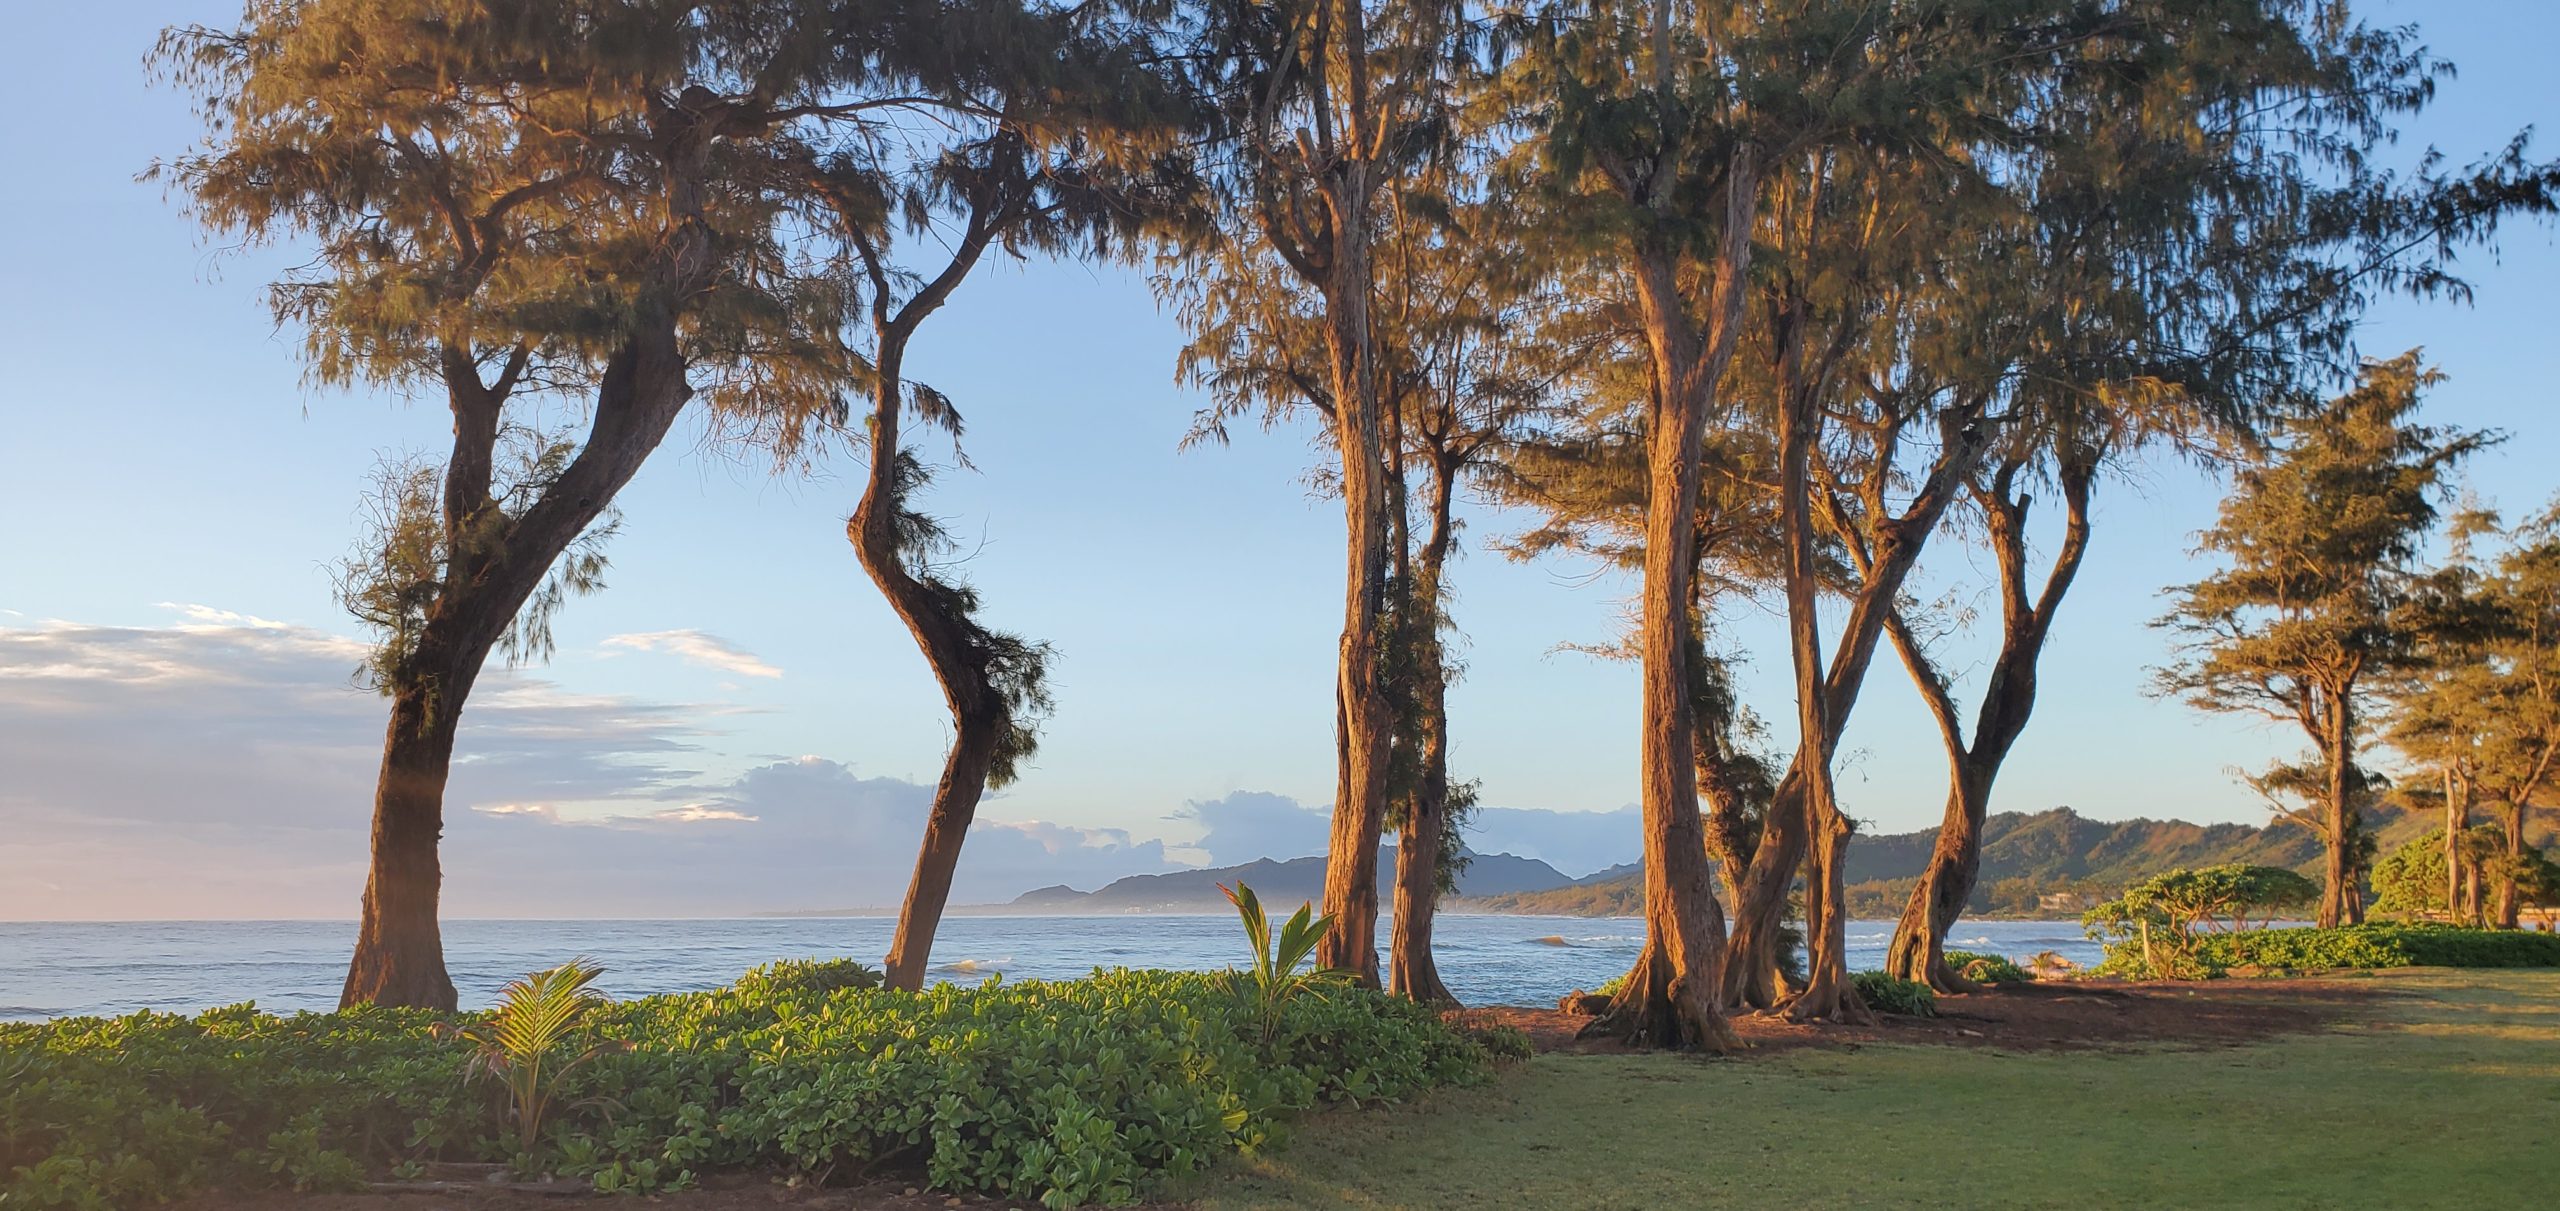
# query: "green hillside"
(2040, 863)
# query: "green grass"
(2441, 1097)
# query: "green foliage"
(1069, 1092)
(2156, 920)
(1987, 969)
(1274, 979)
(522, 1043)
(787, 977)
(1892, 994)
(1504, 1042)
(2354, 947)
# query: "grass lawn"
(2445, 1094)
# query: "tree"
(2165, 911)
(1327, 103)
(2313, 609)
(1052, 134)
(508, 201)
(2481, 698)
(1641, 132)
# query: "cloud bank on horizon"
(220, 767)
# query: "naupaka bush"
(1069, 1092)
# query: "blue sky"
(178, 736)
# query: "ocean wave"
(971, 967)
(1550, 940)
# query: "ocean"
(57, 969)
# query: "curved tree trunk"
(1919, 949)
(951, 642)
(1673, 995)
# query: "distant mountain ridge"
(2027, 858)
(1281, 885)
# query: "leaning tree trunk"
(1919, 949)
(1672, 997)
(399, 957)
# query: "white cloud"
(697, 647)
(225, 769)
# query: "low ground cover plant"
(1893, 994)
(1988, 968)
(1068, 1092)
(2377, 944)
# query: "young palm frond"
(1274, 977)
(522, 1042)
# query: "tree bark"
(2457, 821)
(2510, 904)
(1919, 948)
(1412, 968)
(1671, 998)
(399, 958)
(2341, 897)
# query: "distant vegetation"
(2052, 864)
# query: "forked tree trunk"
(1672, 996)
(1919, 948)
(399, 955)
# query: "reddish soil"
(2030, 1017)
(2034, 1017)
(729, 1192)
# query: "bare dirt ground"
(2029, 1017)
(2092, 1014)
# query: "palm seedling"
(1274, 978)
(525, 1043)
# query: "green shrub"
(1892, 994)
(784, 976)
(1067, 1092)
(2371, 945)
(1987, 968)
(1504, 1042)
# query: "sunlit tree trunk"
(2457, 821)
(1919, 947)
(2510, 904)
(1672, 996)
(1412, 968)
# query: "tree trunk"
(952, 643)
(491, 570)
(2457, 821)
(2341, 902)
(1919, 946)
(399, 957)
(1919, 950)
(1827, 994)
(955, 806)
(1412, 969)
(2510, 906)
(1672, 997)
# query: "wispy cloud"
(698, 647)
